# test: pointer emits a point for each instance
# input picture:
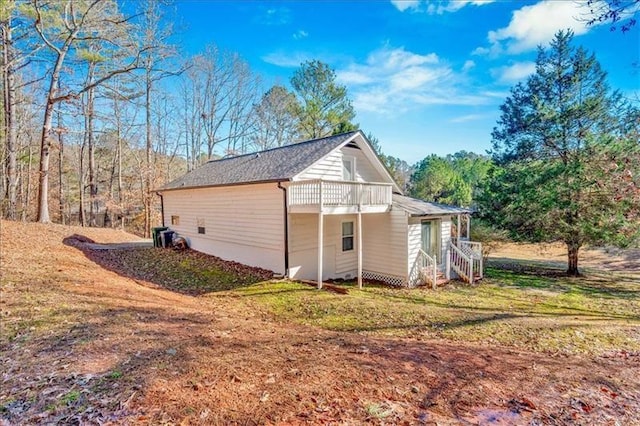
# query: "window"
(175, 220)
(200, 226)
(348, 168)
(347, 236)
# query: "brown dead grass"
(83, 343)
(555, 254)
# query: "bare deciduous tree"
(219, 89)
(155, 34)
(275, 123)
(63, 26)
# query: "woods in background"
(100, 107)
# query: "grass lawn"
(591, 315)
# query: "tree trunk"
(120, 186)
(27, 198)
(45, 141)
(149, 146)
(93, 187)
(81, 216)
(572, 252)
(61, 170)
(10, 119)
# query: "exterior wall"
(445, 234)
(330, 167)
(303, 247)
(415, 236)
(365, 172)
(384, 243)
(414, 243)
(242, 223)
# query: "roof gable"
(365, 146)
(272, 165)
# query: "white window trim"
(352, 236)
(352, 160)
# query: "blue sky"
(425, 76)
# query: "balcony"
(338, 197)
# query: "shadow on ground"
(186, 271)
(549, 276)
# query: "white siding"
(384, 243)
(445, 234)
(243, 223)
(303, 247)
(365, 172)
(414, 243)
(330, 167)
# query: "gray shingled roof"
(417, 207)
(272, 165)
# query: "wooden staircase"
(465, 259)
(441, 278)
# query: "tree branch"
(40, 30)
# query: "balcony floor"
(315, 208)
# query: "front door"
(430, 238)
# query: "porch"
(462, 258)
(443, 250)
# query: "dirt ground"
(81, 344)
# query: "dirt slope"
(80, 343)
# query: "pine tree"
(554, 136)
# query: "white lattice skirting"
(389, 279)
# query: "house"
(316, 210)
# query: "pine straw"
(83, 342)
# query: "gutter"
(286, 230)
(219, 185)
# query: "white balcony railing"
(329, 193)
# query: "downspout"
(159, 194)
(286, 230)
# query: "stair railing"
(474, 250)
(428, 268)
(462, 263)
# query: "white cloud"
(469, 117)
(469, 64)
(300, 34)
(395, 80)
(515, 72)
(286, 59)
(456, 5)
(481, 51)
(438, 7)
(403, 5)
(354, 77)
(533, 25)
(274, 16)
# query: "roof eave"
(440, 214)
(257, 182)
